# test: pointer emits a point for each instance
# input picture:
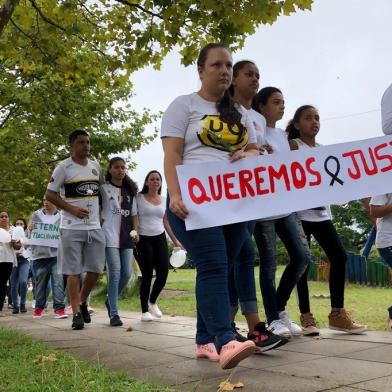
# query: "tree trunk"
(6, 12)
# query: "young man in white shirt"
(74, 188)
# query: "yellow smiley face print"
(213, 132)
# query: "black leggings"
(152, 253)
(325, 234)
(5, 273)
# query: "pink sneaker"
(207, 351)
(234, 352)
(60, 314)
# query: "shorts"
(81, 251)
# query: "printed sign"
(219, 193)
(45, 234)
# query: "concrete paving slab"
(327, 346)
(382, 353)
(384, 337)
(337, 372)
(258, 381)
(383, 384)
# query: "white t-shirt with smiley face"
(206, 137)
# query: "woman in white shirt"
(208, 126)
(7, 257)
(317, 222)
(152, 250)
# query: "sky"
(337, 57)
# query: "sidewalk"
(162, 351)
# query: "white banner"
(219, 193)
(45, 234)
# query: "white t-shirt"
(313, 215)
(150, 216)
(384, 224)
(277, 139)
(206, 137)
(118, 208)
(386, 111)
(79, 186)
(7, 252)
(260, 125)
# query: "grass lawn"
(366, 304)
(28, 365)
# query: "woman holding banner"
(302, 131)
(243, 88)
(270, 103)
(200, 127)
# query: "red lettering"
(369, 171)
(273, 174)
(216, 194)
(228, 186)
(260, 180)
(379, 157)
(317, 174)
(203, 197)
(245, 176)
(351, 154)
(299, 182)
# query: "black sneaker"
(77, 321)
(85, 313)
(238, 336)
(264, 339)
(23, 308)
(15, 310)
(115, 321)
(107, 305)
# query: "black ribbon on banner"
(333, 175)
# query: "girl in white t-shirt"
(119, 215)
(302, 131)
(152, 250)
(196, 128)
(381, 208)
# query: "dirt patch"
(174, 293)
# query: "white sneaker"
(146, 316)
(277, 327)
(294, 329)
(154, 310)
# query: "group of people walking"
(229, 118)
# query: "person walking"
(199, 127)
(119, 218)
(82, 241)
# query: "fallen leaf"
(228, 386)
(129, 329)
(172, 315)
(47, 358)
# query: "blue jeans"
(213, 250)
(290, 231)
(386, 254)
(370, 242)
(19, 277)
(44, 271)
(119, 263)
(242, 280)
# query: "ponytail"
(291, 130)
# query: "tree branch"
(138, 6)
(6, 12)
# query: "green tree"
(66, 64)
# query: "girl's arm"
(173, 148)
(170, 233)
(380, 211)
(135, 225)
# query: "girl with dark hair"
(152, 250)
(317, 222)
(19, 277)
(241, 275)
(119, 214)
(209, 126)
(270, 103)
(7, 257)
